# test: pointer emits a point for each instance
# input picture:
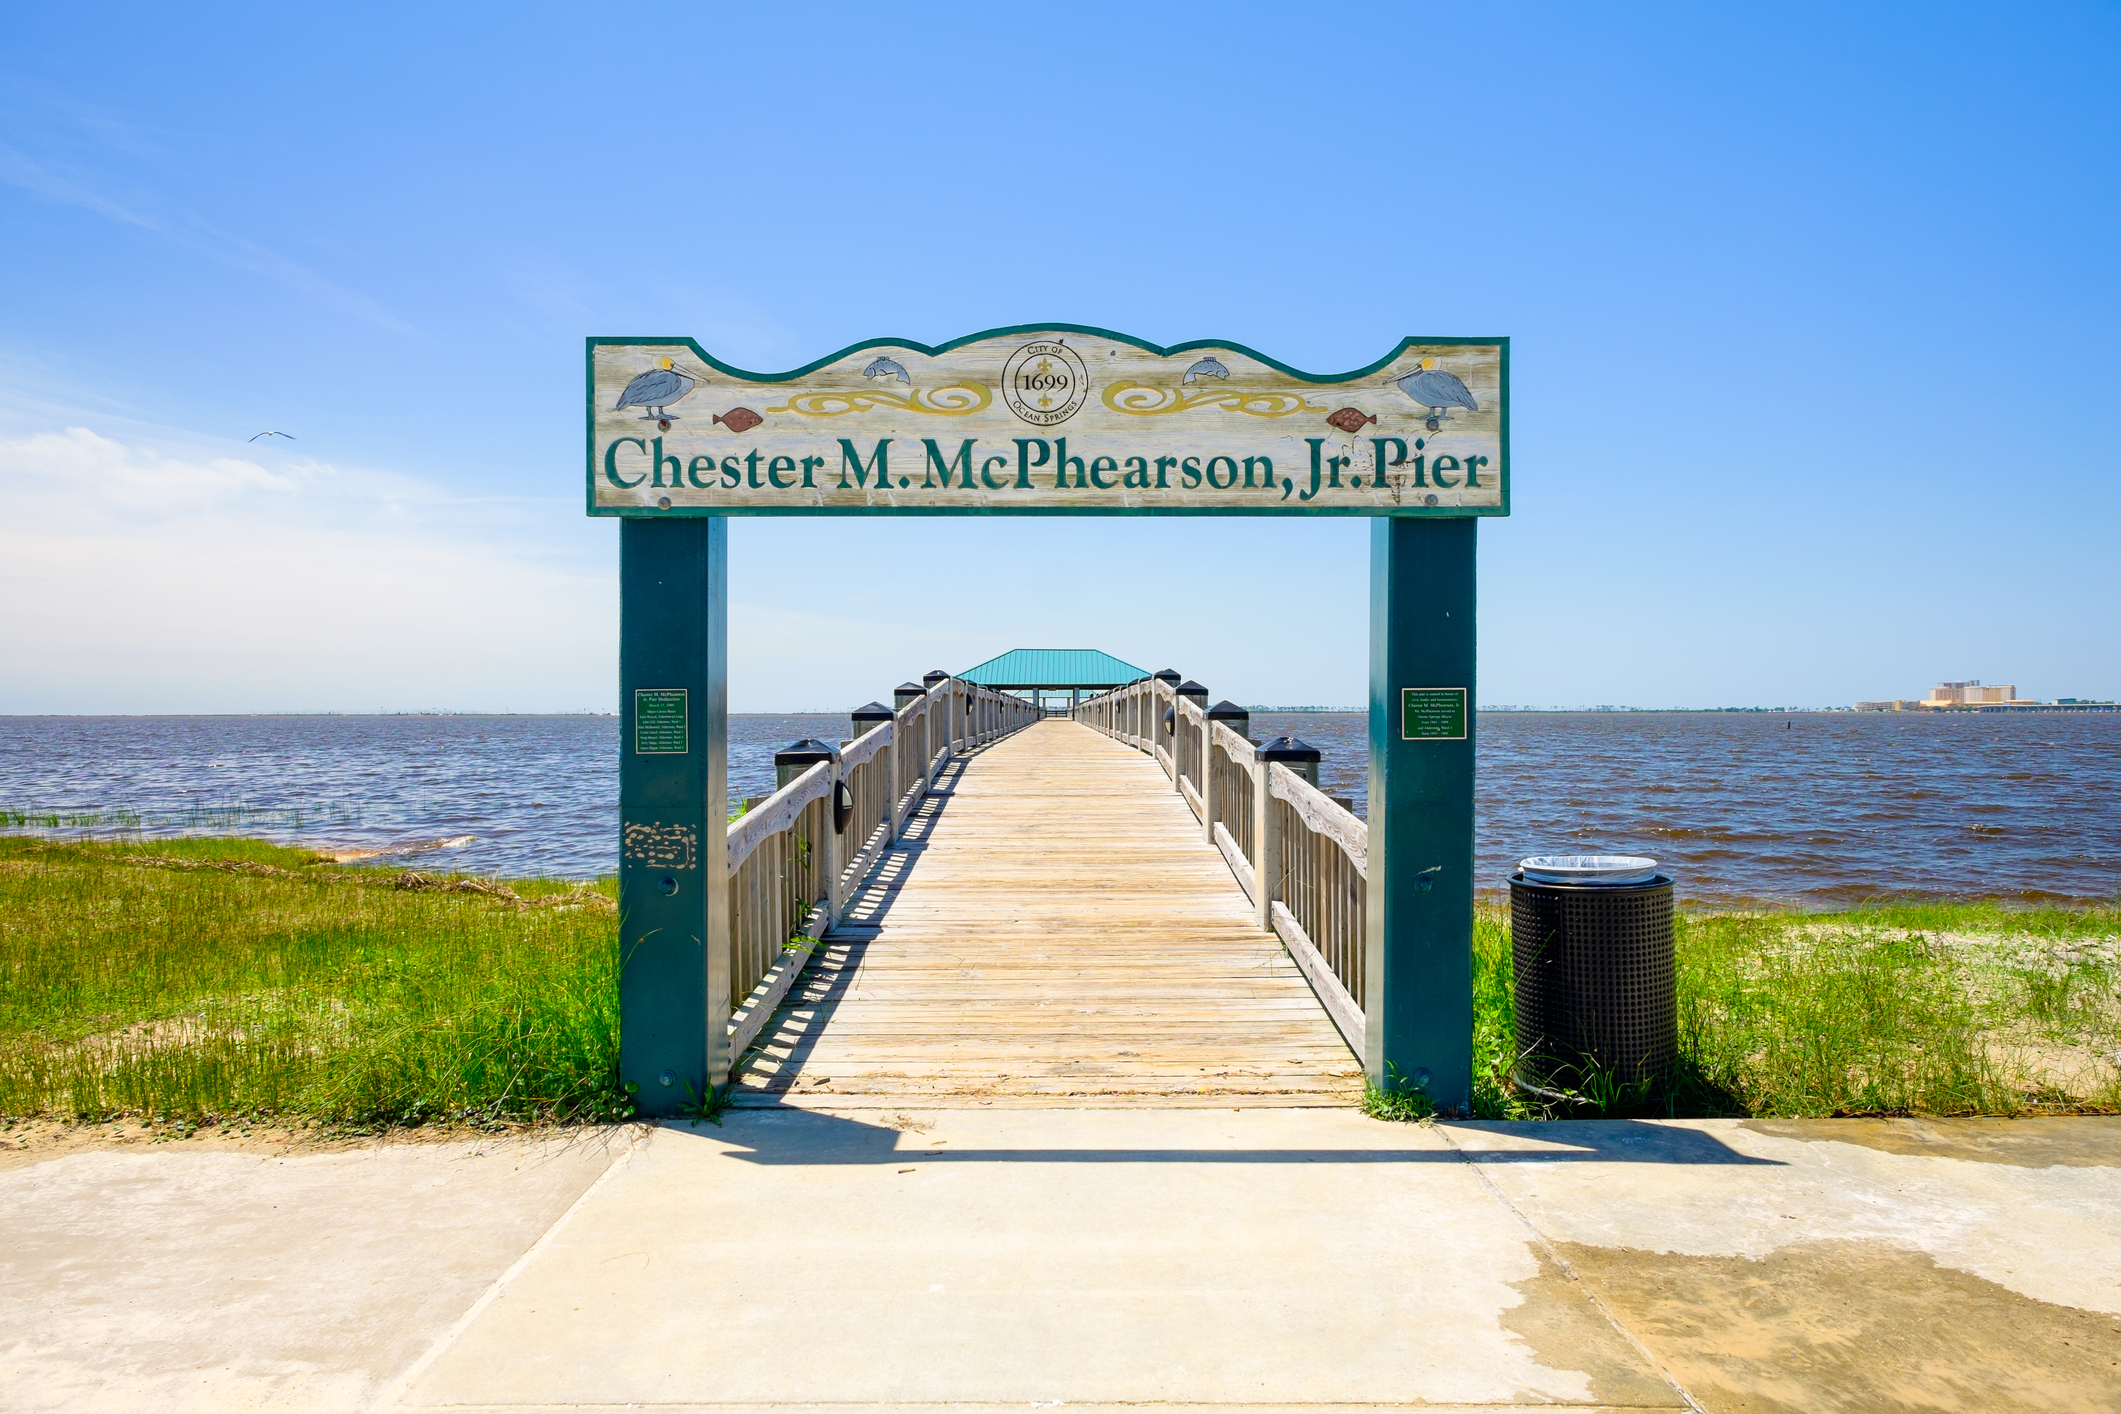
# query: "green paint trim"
(589, 436)
(1406, 512)
(1014, 329)
(1504, 432)
(594, 342)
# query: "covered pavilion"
(1040, 672)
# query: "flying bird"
(1436, 390)
(288, 435)
(655, 390)
(881, 367)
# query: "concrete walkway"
(1269, 1258)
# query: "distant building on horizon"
(1971, 692)
(1971, 695)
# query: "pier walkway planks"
(1052, 931)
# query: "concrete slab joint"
(1266, 1258)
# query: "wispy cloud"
(70, 186)
(17, 170)
(146, 578)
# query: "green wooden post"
(1419, 950)
(673, 811)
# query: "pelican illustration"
(881, 367)
(1436, 390)
(655, 390)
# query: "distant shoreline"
(1484, 710)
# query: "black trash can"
(1595, 986)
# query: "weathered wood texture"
(790, 868)
(770, 893)
(1233, 762)
(1321, 816)
(1113, 426)
(867, 767)
(778, 813)
(1300, 858)
(1052, 930)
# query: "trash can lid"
(1588, 869)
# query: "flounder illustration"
(881, 367)
(1208, 367)
(1436, 390)
(739, 419)
(1349, 420)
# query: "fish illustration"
(1206, 368)
(1349, 420)
(881, 367)
(655, 390)
(739, 419)
(1436, 390)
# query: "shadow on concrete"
(1611, 1141)
(793, 1136)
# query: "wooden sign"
(1049, 419)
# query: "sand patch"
(2086, 1141)
(1567, 1331)
(1854, 1328)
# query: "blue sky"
(1812, 313)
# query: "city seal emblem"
(1045, 383)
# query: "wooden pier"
(1379, 920)
(1050, 928)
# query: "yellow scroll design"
(950, 400)
(1148, 400)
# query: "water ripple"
(1819, 809)
(1811, 808)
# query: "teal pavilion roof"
(1053, 667)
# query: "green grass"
(222, 977)
(1934, 1009)
(1400, 1102)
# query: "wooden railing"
(1231, 769)
(780, 853)
(1300, 857)
(1317, 858)
(796, 856)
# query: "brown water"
(1818, 808)
(1815, 809)
(502, 795)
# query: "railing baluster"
(1307, 855)
(786, 860)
